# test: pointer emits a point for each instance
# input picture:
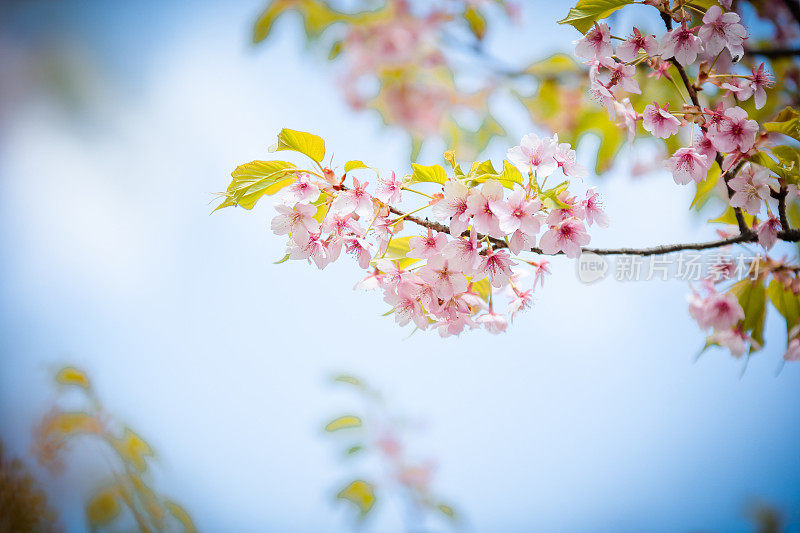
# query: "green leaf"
(729, 217)
(397, 250)
(344, 378)
(787, 122)
(450, 156)
(354, 449)
(181, 516)
(786, 302)
(133, 449)
(343, 422)
(359, 493)
(432, 173)
(553, 66)
(706, 187)
(253, 180)
(447, 510)
(352, 165)
(587, 12)
(299, 141)
(752, 296)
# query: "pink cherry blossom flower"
(627, 117)
(492, 322)
(426, 247)
(518, 213)
(759, 80)
(533, 155)
(750, 188)
(406, 306)
(370, 281)
(622, 75)
(496, 264)
(717, 310)
(573, 209)
(682, 44)
(735, 340)
(659, 121)
(599, 92)
(596, 44)
(297, 220)
(734, 131)
(542, 269)
(628, 50)
(388, 190)
(313, 248)
(593, 209)
(342, 225)
(704, 146)
(722, 30)
(522, 300)
(687, 165)
(567, 236)
(361, 249)
(454, 204)
(452, 326)
(480, 207)
(464, 254)
(793, 350)
(566, 159)
(445, 280)
(393, 275)
(356, 200)
(767, 232)
(302, 190)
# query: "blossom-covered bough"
(457, 258)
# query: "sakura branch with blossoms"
(476, 234)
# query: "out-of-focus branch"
(794, 8)
(773, 53)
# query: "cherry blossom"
(629, 49)
(722, 30)
(686, 165)
(682, 44)
(313, 248)
(567, 236)
(388, 190)
(534, 155)
(355, 200)
(717, 310)
(426, 247)
(492, 322)
(622, 75)
(444, 280)
(464, 254)
(767, 232)
(735, 340)
(733, 131)
(627, 116)
(566, 159)
(480, 207)
(593, 209)
(596, 44)
(659, 121)
(522, 300)
(454, 204)
(406, 306)
(759, 81)
(750, 188)
(302, 190)
(518, 213)
(496, 264)
(297, 220)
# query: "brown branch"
(794, 9)
(782, 207)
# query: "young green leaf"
(432, 173)
(299, 141)
(587, 12)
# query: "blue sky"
(590, 414)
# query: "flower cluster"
(447, 277)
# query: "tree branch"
(750, 236)
(794, 9)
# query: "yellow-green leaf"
(72, 376)
(477, 24)
(181, 516)
(587, 12)
(343, 378)
(397, 250)
(432, 173)
(787, 122)
(705, 188)
(361, 494)
(352, 165)
(786, 302)
(343, 422)
(305, 143)
(253, 180)
(752, 296)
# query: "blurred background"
(119, 122)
